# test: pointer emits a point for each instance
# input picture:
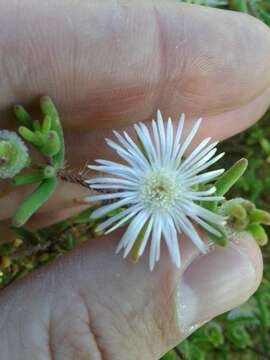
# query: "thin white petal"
(162, 136)
(178, 135)
(186, 163)
(194, 167)
(118, 170)
(156, 140)
(113, 186)
(146, 236)
(106, 180)
(188, 140)
(170, 236)
(110, 196)
(202, 178)
(133, 159)
(146, 141)
(206, 226)
(111, 183)
(203, 155)
(132, 232)
(129, 144)
(125, 219)
(202, 164)
(194, 196)
(103, 210)
(190, 231)
(210, 191)
(169, 141)
(156, 235)
(192, 208)
(122, 214)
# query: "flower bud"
(13, 154)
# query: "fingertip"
(247, 245)
(218, 281)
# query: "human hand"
(108, 64)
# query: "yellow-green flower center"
(159, 190)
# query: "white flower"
(156, 188)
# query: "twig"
(179, 354)
(69, 176)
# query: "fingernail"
(213, 284)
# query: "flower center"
(6, 152)
(159, 190)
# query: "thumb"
(93, 304)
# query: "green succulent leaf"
(52, 145)
(46, 125)
(49, 109)
(34, 201)
(23, 117)
(230, 177)
(258, 233)
(25, 179)
(260, 217)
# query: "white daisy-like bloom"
(157, 188)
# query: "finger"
(92, 144)
(68, 198)
(195, 80)
(112, 63)
(107, 307)
(66, 201)
(211, 284)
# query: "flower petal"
(125, 214)
(103, 210)
(188, 140)
(190, 231)
(132, 232)
(155, 241)
(146, 236)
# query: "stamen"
(159, 190)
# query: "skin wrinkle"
(102, 355)
(170, 77)
(117, 315)
(70, 325)
(163, 53)
(164, 312)
(49, 339)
